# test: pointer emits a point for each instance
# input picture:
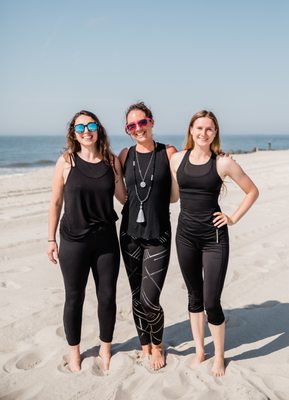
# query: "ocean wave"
(25, 164)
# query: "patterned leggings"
(146, 264)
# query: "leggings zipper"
(217, 235)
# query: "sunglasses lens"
(142, 122)
(79, 128)
(92, 126)
(130, 127)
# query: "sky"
(179, 57)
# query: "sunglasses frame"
(86, 126)
(137, 123)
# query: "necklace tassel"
(140, 217)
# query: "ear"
(191, 130)
(153, 122)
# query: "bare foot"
(146, 350)
(157, 359)
(105, 355)
(218, 366)
(197, 360)
(105, 359)
(74, 360)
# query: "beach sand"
(255, 301)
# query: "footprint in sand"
(26, 361)
(60, 332)
(10, 284)
(121, 367)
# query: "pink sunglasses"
(131, 127)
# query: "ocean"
(21, 153)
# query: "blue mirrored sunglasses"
(80, 128)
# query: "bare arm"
(122, 156)
(55, 208)
(170, 150)
(174, 165)
(120, 191)
(228, 167)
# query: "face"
(88, 136)
(203, 131)
(141, 133)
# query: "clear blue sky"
(58, 57)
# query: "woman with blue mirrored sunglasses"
(86, 178)
(91, 127)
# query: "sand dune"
(255, 301)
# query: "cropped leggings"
(204, 264)
(146, 265)
(100, 253)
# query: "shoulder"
(64, 161)
(117, 163)
(226, 164)
(170, 149)
(123, 154)
(177, 158)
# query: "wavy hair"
(216, 144)
(102, 143)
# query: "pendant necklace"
(141, 216)
(143, 177)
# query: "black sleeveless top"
(88, 199)
(199, 187)
(156, 207)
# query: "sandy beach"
(255, 301)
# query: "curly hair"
(102, 143)
(216, 144)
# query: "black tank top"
(156, 208)
(199, 187)
(88, 199)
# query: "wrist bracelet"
(52, 240)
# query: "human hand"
(52, 252)
(221, 219)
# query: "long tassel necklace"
(141, 217)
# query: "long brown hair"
(102, 143)
(216, 144)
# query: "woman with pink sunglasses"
(145, 234)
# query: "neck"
(199, 154)
(145, 147)
(89, 153)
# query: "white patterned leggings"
(146, 263)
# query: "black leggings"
(100, 253)
(204, 264)
(146, 265)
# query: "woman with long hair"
(202, 235)
(86, 178)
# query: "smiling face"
(203, 132)
(141, 134)
(86, 138)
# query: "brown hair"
(139, 106)
(102, 143)
(216, 144)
